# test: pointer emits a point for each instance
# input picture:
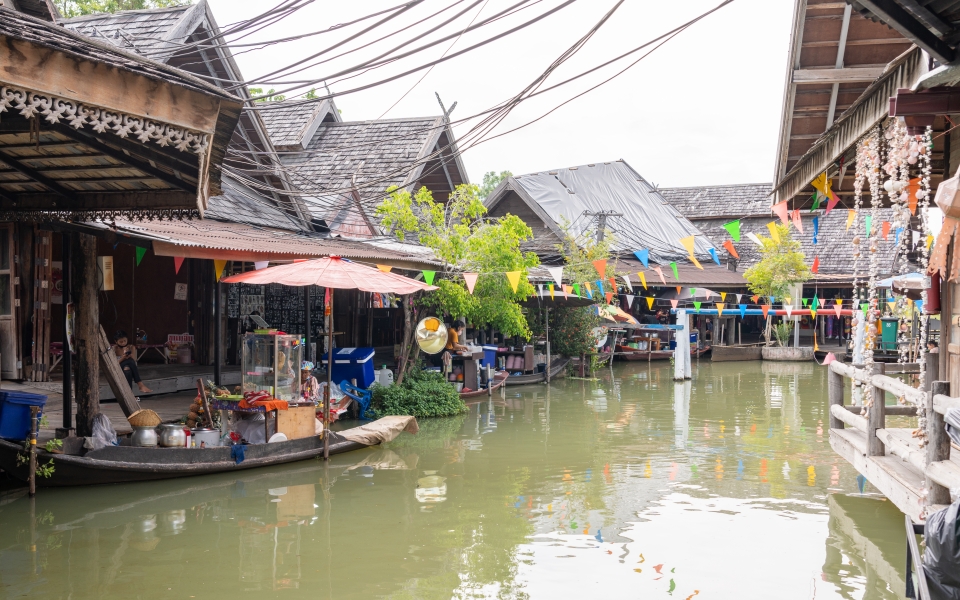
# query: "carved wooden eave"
(88, 130)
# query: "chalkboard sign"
(280, 306)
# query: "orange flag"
(765, 308)
(609, 296)
(816, 265)
(755, 298)
(218, 266)
(385, 268)
(601, 267)
(731, 249)
(885, 229)
(912, 188)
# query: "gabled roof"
(293, 123)
(715, 201)
(154, 32)
(643, 220)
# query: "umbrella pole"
(326, 395)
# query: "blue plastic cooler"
(489, 357)
(353, 363)
(15, 413)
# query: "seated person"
(126, 353)
(309, 388)
(454, 332)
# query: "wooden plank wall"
(43, 290)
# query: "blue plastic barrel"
(15, 413)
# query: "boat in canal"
(499, 379)
(126, 463)
(558, 368)
(736, 353)
(630, 354)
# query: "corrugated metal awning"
(869, 110)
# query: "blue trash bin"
(353, 363)
(15, 413)
(489, 357)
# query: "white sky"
(702, 109)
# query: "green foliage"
(422, 394)
(782, 265)
(465, 240)
(570, 330)
(311, 94)
(54, 444)
(271, 97)
(491, 179)
(75, 8)
(781, 332)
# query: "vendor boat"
(124, 464)
(499, 379)
(737, 353)
(628, 353)
(558, 368)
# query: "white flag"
(540, 287)
(738, 298)
(261, 264)
(626, 278)
(788, 308)
(629, 301)
(557, 274)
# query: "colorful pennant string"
(644, 257)
(733, 228)
(471, 280)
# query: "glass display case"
(271, 363)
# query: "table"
(148, 347)
(470, 372)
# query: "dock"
(917, 479)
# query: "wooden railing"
(933, 460)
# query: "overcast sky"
(702, 109)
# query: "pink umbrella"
(338, 273)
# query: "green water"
(630, 486)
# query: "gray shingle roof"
(142, 31)
(289, 123)
(733, 201)
(239, 204)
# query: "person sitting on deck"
(126, 355)
(933, 347)
(309, 388)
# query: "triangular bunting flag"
(218, 266)
(885, 229)
(720, 306)
(897, 234)
(550, 285)
(600, 287)
(674, 303)
(821, 183)
(589, 291)
(613, 284)
(803, 301)
(693, 292)
(918, 304)
(385, 268)
(781, 210)
(626, 279)
(140, 254)
(713, 253)
(743, 311)
(678, 289)
(557, 274)
(676, 274)
(755, 298)
(929, 242)
(797, 221)
(567, 290)
(695, 262)
(178, 262)
(649, 302)
(514, 278)
(912, 188)
(868, 224)
(540, 290)
(576, 289)
(428, 276)
(773, 300)
(733, 228)
(643, 279)
(851, 215)
(837, 310)
(788, 308)
(723, 296)
(660, 273)
(892, 306)
(816, 228)
(863, 307)
(738, 297)
(644, 257)
(774, 234)
(609, 296)
(766, 309)
(471, 280)
(834, 200)
(629, 298)
(816, 201)
(816, 265)
(696, 305)
(753, 238)
(728, 245)
(815, 303)
(688, 242)
(601, 267)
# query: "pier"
(917, 479)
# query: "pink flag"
(834, 199)
(673, 303)
(837, 308)
(797, 222)
(660, 273)
(177, 263)
(471, 280)
(782, 211)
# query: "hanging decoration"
(766, 309)
(643, 279)
(885, 229)
(178, 262)
(851, 215)
(676, 274)
(649, 302)
(816, 265)
(696, 305)
(629, 298)
(261, 264)
(674, 303)
(471, 280)
(601, 267)
(713, 254)
(428, 276)
(140, 254)
(689, 243)
(384, 268)
(626, 279)
(733, 228)
(783, 211)
(774, 234)
(743, 310)
(797, 221)
(816, 229)
(660, 273)
(753, 238)
(550, 286)
(576, 289)
(728, 245)
(557, 274)
(644, 257)
(720, 306)
(514, 278)
(218, 266)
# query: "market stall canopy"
(333, 272)
(90, 130)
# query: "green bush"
(570, 330)
(422, 394)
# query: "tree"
(75, 8)
(271, 97)
(491, 180)
(783, 265)
(464, 240)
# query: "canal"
(629, 486)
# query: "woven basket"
(145, 418)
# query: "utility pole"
(601, 217)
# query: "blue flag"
(713, 253)
(600, 287)
(896, 240)
(743, 311)
(644, 257)
(816, 228)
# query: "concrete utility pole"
(601, 217)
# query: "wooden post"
(877, 417)
(328, 310)
(835, 392)
(938, 442)
(489, 381)
(67, 360)
(32, 477)
(85, 282)
(932, 371)
(307, 336)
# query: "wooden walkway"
(891, 458)
(161, 379)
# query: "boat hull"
(499, 380)
(557, 370)
(736, 353)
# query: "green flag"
(815, 303)
(868, 221)
(693, 292)
(816, 202)
(863, 307)
(428, 276)
(803, 301)
(676, 275)
(733, 228)
(576, 289)
(696, 305)
(140, 253)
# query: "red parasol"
(333, 272)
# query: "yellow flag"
(839, 302)
(850, 216)
(723, 296)
(774, 234)
(893, 306)
(649, 302)
(720, 306)
(550, 285)
(696, 262)
(514, 278)
(929, 242)
(218, 266)
(821, 183)
(688, 243)
(643, 279)
(815, 347)
(385, 268)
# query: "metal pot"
(172, 435)
(145, 437)
(205, 436)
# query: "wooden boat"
(124, 464)
(558, 369)
(631, 354)
(736, 353)
(498, 380)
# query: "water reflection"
(632, 485)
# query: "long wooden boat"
(736, 353)
(498, 380)
(123, 464)
(628, 353)
(558, 369)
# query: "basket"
(145, 418)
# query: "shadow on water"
(630, 485)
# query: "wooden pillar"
(932, 371)
(938, 442)
(877, 416)
(835, 392)
(84, 283)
